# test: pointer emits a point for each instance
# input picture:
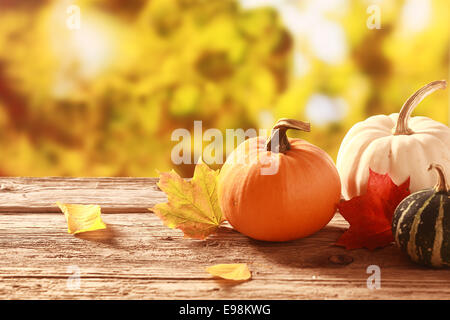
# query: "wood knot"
(7, 187)
(341, 259)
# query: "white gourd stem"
(407, 108)
(278, 141)
(441, 185)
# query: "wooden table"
(137, 257)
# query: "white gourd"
(398, 144)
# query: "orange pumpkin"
(280, 189)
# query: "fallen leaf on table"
(234, 271)
(192, 206)
(370, 215)
(82, 218)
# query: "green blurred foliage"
(104, 100)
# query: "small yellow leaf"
(82, 218)
(234, 271)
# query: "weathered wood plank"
(113, 194)
(97, 288)
(137, 257)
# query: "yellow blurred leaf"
(234, 271)
(82, 218)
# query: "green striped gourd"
(421, 224)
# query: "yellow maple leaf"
(82, 218)
(192, 206)
(233, 271)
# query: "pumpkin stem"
(441, 185)
(406, 110)
(278, 141)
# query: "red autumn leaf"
(370, 215)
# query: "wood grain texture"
(137, 257)
(113, 194)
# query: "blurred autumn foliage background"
(103, 100)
